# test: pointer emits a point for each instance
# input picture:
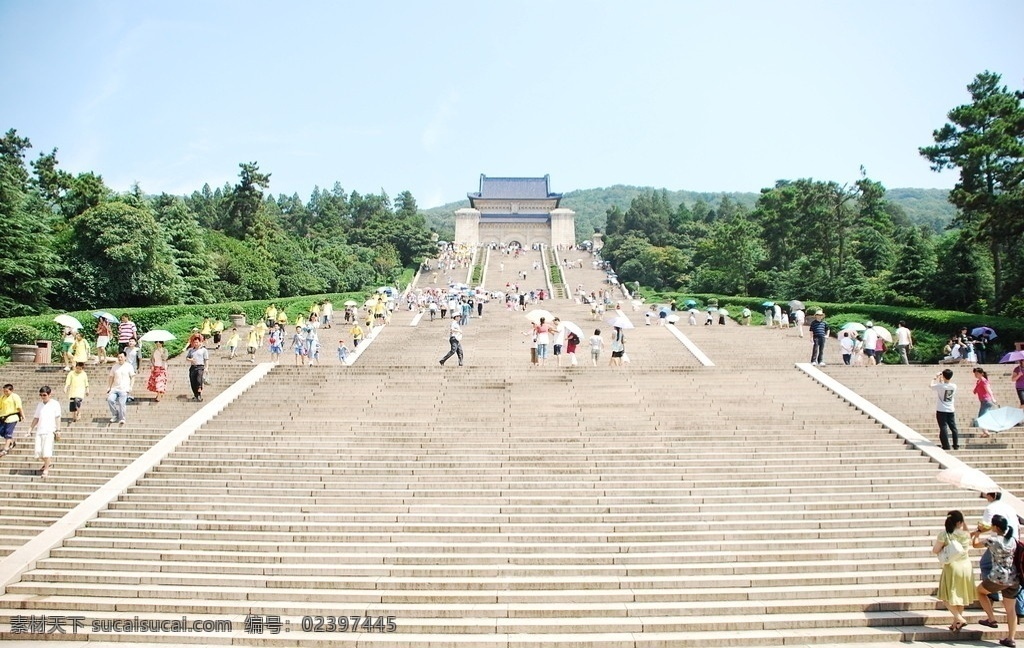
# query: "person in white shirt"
(798, 318)
(596, 342)
(945, 408)
(119, 385)
(46, 425)
(904, 342)
(198, 358)
(870, 341)
(454, 339)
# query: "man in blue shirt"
(819, 332)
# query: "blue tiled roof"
(514, 188)
(513, 218)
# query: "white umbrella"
(157, 335)
(68, 321)
(672, 319)
(621, 322)
(882, 332)
(852, 326)
(969, 478)
(1001, 419)
(537, 313)
(105, 315)
(572, 327)
(723, 311)
(351, 302)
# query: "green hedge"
(179, 320)
(931, 328)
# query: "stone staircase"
(90, 451)
(657, 504)
(904, 389)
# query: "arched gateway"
(515, 210)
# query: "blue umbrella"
(984, 331)
(767, 304)
(689, 302)
(1001, 419)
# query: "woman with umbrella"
(157, 382)
(986, 398)
(1018, 374)
(618, 347)
(103, 321)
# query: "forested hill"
(922, 206)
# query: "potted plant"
(237, 315)
(22, 340)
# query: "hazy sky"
(718, 95)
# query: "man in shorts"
(46, 425)
(76, 386)
(10, 413)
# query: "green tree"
(245, 272)
(120, 255)
(965, 275)
(913, 274)
(615, 222)
(729, 257)
(188, 247)
(405, 205)
(245, 201)
(28, 263)
(985, 141)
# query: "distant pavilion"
(515, 211)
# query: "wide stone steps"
(497, 504)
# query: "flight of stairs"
(499, 504)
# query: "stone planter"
(23, 353)
(238, 319)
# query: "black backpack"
(1018, 561)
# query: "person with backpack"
(1003, 577)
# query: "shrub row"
(931, 328)
(179, 320)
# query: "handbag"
(952, 549)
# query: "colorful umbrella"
(984, 331)
(1012, 356)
